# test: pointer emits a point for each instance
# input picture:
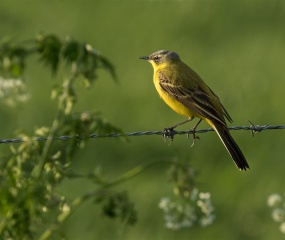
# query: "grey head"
(161, 56)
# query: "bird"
(183, 90)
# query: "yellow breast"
(170, 100)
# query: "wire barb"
(256, 128)
(166, 133)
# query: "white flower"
(278, 214)
(164, 203)
(204, 195)
(13, 91)
(282, 227)
(207, 220)
(183, 213)
(274, 200)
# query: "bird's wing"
(196, 99)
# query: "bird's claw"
(194, 140)
(194, 137)
(168, 133)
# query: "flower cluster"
(185, 212)
(13, 91)
(277, 203)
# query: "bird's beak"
(145, 58)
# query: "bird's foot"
(194, 137)
(168, 133)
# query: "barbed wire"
(165, 133)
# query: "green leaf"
(49, 46)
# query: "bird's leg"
(193, 132)
(179, 124)
(170, 132)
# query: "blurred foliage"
(12, 59)
(29, 176)
(190, 206)
(118, 205)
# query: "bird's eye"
(156, 58)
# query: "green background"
(237, 47)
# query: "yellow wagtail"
(186, 93)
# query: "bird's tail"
(230, 145)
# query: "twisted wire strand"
(253, 128)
